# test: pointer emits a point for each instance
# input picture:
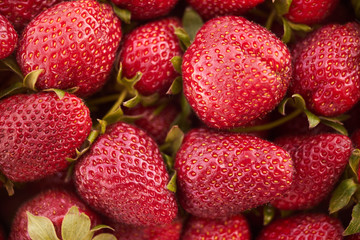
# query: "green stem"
(269, 125)
(270, 19)
(102, 100)
(117, 104)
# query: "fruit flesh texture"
(8, 38)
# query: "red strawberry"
(145, 10)
(221, 174)
(310, 11)
(21, 12)
(206, 229)
(53, 204)
(149, 49)
(353, 237)
(212, 8)
(234, 72)
(74, 43)
(304, 226)
(319, 161)
(326, 69)
(38, 132)
(8, 38)
(124, 176)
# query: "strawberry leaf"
(176, 86)
(299, 27)
(40, 228)
(9, 185)
(354, 225)
(60, 93)
(183, 38)
(282, 6)
(171, 186)
(11, 63)
(269, 214)
(31, 78)
(105, 236)
(169, 161)
(12, 89)
(176, 62)
(354, 162)
(123, 14)
(336, 126)
(312, 119)
(341, 196)
(356, 7)
(192, 22)
(287, 31)
(174, 139)
(76, 225)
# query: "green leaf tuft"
(11, 63)
(123, 14)
(282, 6)
(184, 38)
(40, 228)
(76, 225)
(176, 62)
(269, 214)
(176, 86)
(354, 225)
(192, 22)
(341, 196)
(31, 79)
(171, 186)
(18, 86)
(354, 162)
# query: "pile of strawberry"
(179, 119)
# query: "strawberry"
(148, 49)
(74, 43)
(326, 69)
(53, 204)
(234, 72)
(213, 8)
(310, 11)
(319, 162)
(124, 176)
(21, 12)
(220, 174)
(8, 37)
(38, 132)
(235, 227)
(303, 226)
(145, 10)
(353, 237)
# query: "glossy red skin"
(53, 204)
(213, 8)
(326, 69)
(303, 226)
(73, 53)
(319, 161)
(21, 12)
(234, 72)
(148, 49)
(220, 174)
(38, 132)
(145, 10)
(310, 11)
(124, 177)
(8, 37)
(205, 229)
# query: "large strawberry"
(149, 49)
(145, 10)
(234, 72)
(235, 227)
(38, 132)
(220, 174)
(74, 43)
(21, 12)
(319, 161)
(326, 69)
(52, 204)
(212, 8)
(124, 176)
(304, 226)
(8, 37)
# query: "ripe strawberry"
(74, 43)
(303, 226)
(21, 12)
(319, 161)
(38, 132)
(8, 38)
(221, 174)
(213, 8)
(311, 11)
(206, 229)
(53, 204)
(234, 72)
(124, 176)
(145, 10)
(326, 69)
(149, 49)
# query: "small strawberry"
(319, 161)
(74, 43)
(310, 11)
(213, 8)
(326, 69)
(38, 132)
(206, 229)
(304, 226)
(21, 12)
(145, 10)
(234, 72)
(148, 49)
(8, 37)
(124, 176)
(52, 204)
(220, 174)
